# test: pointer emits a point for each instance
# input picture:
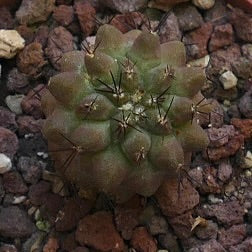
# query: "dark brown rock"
(207, 232)
(7, 119)
(197, 41)
(17, 82)
(182, 225)
(26, 32)
(13, 183)
(228, 213)
(80, 249)
(232, 236)
(15, 223)
(244, 126)
(8, 248)
(157, 225)
(73, 210)
(221, 36)
(68, 242)
(41, 35)
(59, 41)
(98, 231)
(51, 245)
(31, 59)
(28, 125)
(6, 20)
(8, 142)
(34, 11)
(245, 104)
(37, 193)
(142, 241)
(85, 13)
(169, 242)
(170, 202)
(188, 17)
(64, 15)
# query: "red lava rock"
(170, 29)
(15, 223)
(85, 13)
(220, 136)
(169, 200)
(98, 231)
(209, 246)
(224, 171)
(188, 17)
(31, 103)
(142, 241)
(223, 58)
(7, 119)
(27, 125)
(34, 11)
(127, 217)
(128, 21)
(229, 149)
(6, 20)
(208, 232)
(73, 210)
(228, 213)
(13, 183)
(245, 104)
(242, 24)
(232, 236)
(8, 248)
(37, 193)
(52, 245)
(125, 6)
(182, 225)
(8, 142)
(244, 126)
(64, 15)
(68, 242)
(221, 36)
(245, 246)
(27, 33)
(31, 60)
(59, 41)
(41, 35)
(17, 82)
(197, 41)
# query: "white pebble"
(202, 62)
(18, 200)
(248, 160)
(213, 200)
(14, 103)
(5, 163)
(228, 80)
(204, 4)
(10, 43)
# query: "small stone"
(204, 4)
(8, 142)
(197, 41)
(224, 171)
(222, 36)
(17, 81)
(232, 236)
(28, 125)
(242, 68)
(13, 183)
(244, 126)
(5, 163)
(169, 241)
(202, 62)
(27, 33)
(169, 200)
(34, 11)
(164, 5)
(213, 200)
(142, 241)
(248, 159)
(8, 248)
(34, 242)
(246, 245)
(169, 31)
(31, 59)
(98, 231)
(68, 242)
(85, 13)
(10, 43)
(228, 80)
(157, 225)
(37, 193)
(80, 249)
(209, 246)
(14, 103)
(18, 200)
(227, 213)
(125, 6)
(41, 35)
(247, 51)
(188, 17)
(52, 245)
(59, 42)
(15, 223)
(6, 20)
(208, 232)
(64, 15)
(245, 104)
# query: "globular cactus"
(122, 113)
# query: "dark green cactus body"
(121, 118)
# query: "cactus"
(122, 113)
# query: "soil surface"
(212, 211)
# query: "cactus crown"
(121, 114)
